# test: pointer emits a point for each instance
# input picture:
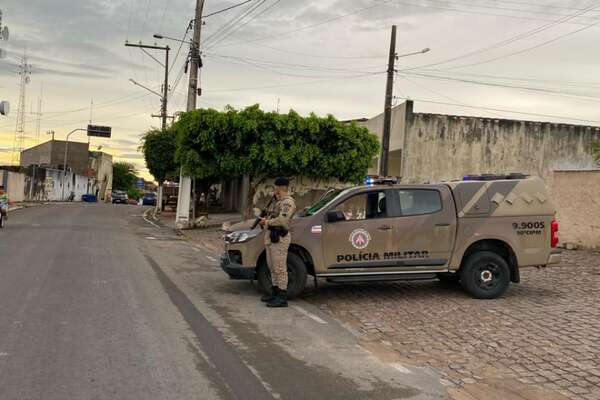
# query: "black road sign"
(98, 130)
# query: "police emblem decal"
(360, 238)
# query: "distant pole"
(387, 112)
(65, 159)
(185, 182)
(165, 91)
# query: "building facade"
(51, 154)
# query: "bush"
(135, 193)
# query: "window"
(419, 201)
(364, 206)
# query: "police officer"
(277, 242)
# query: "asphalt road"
(97, 303)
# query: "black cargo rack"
(495, 177)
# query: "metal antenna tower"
(24, 72)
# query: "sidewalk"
(18, 206)
(209, 234)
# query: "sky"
(522, 59)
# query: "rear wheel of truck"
(485, 275)
(296, 276)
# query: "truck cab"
(478, 231)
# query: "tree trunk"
(249, 211)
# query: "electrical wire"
(505, 110)
(243, 24)
(506, 42)
(286, 33)
(226, 9)
(235, 20)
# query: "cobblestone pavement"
(544, 332)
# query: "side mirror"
(257, 212)
(335, 216)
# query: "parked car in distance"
(119, 196)
(149, 199)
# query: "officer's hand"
(262, 222)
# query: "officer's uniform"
(279, 216)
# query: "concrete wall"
(51, 154)
(443, 147)
(400, 115)
(14, 184)
(41, 184)
(102, 166)
(305, 191)
(576, 195)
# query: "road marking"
(150, 238)
(147, 220)
(3, 354)
(309, 315)
(211, 258)
(400, 367)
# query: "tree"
(124, 176)
(596, 152)
(159, 147)
(213, 145)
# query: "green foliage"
(159, 148)
(212, 145)
(135, 193)
(596, 152)
(124, 176)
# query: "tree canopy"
(159, 147)
(596, 152)
(124, 176)
(212, 145)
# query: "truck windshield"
(323, 201)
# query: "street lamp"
(65, 159)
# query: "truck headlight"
(242, 236)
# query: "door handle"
(384, 228)
(443, 224)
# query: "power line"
(500, 85)
(526, 49)
(220, 31)
(292, 65)
(294, 84)
(244, 24)
(227, 9)
(286, 33)
(504, 110)
(506, 42)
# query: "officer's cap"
(282, 181)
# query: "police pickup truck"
(478, 231)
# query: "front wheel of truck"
(485, 275)
(296, 276)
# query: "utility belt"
(276, 233)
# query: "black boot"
(271, 295)
(280, 300)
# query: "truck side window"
(419, 201)
(364, 206)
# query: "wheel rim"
(488, 276)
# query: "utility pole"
(165, 89)
(387, 112)
(185, 182)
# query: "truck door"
(362, 234)
(423, 228)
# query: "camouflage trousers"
(277, 260)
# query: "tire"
(296, 276)
(485, 275)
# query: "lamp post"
(65, 159)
